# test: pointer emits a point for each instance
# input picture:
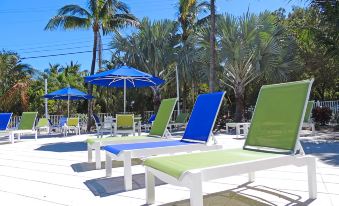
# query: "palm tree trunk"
(239, 103)
(212, 49)
(90, 86)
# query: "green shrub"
(322, 115)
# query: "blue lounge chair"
(5, 118)
(147, 125)
(197, 136)
(60, 125)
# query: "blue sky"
(23, 22)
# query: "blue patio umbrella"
(68, 94)
(124, 77)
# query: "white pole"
(124, 96)
(46, 100)
(68, 106)
(177, 80)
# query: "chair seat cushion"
(177, 165)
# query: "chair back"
(182, 118)
(62, 121)
(5, 118)
(43, 122)
(74, 122)
(278, 117)
(151, 118)
(125, 121)
(205, 111)
(96, 119)
(308, 112)
(27, 121)
(163, 117)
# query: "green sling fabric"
(182, 118)
(308, 111)
(43, 122)
(178, 164)
(278, 115)
(73, 122)
(27, 120)
(159, 125)
(125, 121)
(163, 117)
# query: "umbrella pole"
(177, 80)
(68, 107)
(124, 96)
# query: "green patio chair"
(73, 124)
(26, 125)
(180, 121)
(43, 124)
(308, 123)
(157, 133)
(272, 141)
(124, 124)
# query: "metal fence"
(333, 105)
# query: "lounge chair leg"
(196, 196)
(313, 129)
(150, 187)
(108, 165)
(128, 171)
(237, 131)
(11, 137)
(312, 178)
(89, 151)
(251, 176)
(98, 157)
(36, 135)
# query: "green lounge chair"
(308, 123)
(180, 121)
(72, 125)
(157, 132)
(272, 142)
(125, 125)
(26, 125)
(43, 124)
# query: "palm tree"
(151, 49)
(252, 47)
(188, 13)
(102, 16)
(212, 49)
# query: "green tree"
(15, 78)
(253, 47)
(102, 16)
(150, 49)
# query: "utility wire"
(62, 54)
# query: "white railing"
(333, 105)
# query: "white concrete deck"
(53, 171)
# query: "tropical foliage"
(250, 50)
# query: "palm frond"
(68, 22)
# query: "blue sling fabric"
(4, 120)
(203, 116)
(116, 149)
(151, 119)
(198, 128)
(96, 119)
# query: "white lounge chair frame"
(193, 179)
(127, 155)
(97, 145)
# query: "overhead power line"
(62, 54)
(59, 49)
